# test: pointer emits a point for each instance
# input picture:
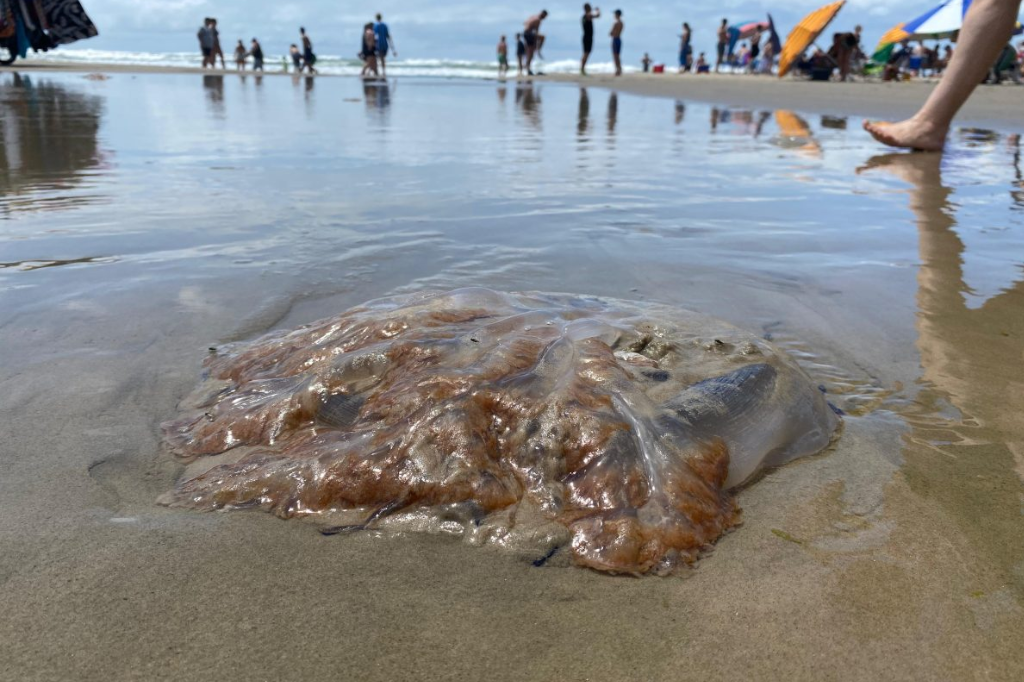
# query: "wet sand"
(896, 555)
(990, 106)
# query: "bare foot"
(911, 134)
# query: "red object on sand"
(658, 68)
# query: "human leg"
(986, 29)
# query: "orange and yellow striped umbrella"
(805, 33)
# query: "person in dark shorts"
(520, 52)
(307, 51)
(589, 14)
(296, 55)
(616, 34)
(684, 48)
(205, 36)
(723, 42)
(217, 51)
(755, 49)
(531, 35)
(256, 52)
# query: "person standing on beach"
(369, 52)
(502, 57)
(589, 14)
(520, 53)
(986, 28)
(256, 52)
(206, 42)
(296, 57)
(531, 33)
(755, 49)
(384, 43)
(217, 51)
(240, 55)
(723, 42)
(684, 48)
(308, 58)
(616, 34)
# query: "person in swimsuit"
(502, 57)
(723, 42)
(530, 36)
(684, 48)
(217, 51)
(307, 51)
(240, 55)
(369, 51)
(616, 34)
(755, 49)
(589, 14)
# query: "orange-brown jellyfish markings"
(616, 429)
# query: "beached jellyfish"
(613, 429)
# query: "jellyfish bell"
(612, 429)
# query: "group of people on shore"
(375, 44)
(530, 42)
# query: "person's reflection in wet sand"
(528, 101)
(680, 111)
(502, 93)
(48, 141)
(583, 115)
(762, 118)
(377, 96)
(973, 359)
(214, 87)
(613, 114)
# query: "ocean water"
(147, 218)
(327, 64)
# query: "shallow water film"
(624, 424)
(145, 219)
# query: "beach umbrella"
(774, 36)
(937, 23)
(805, 33)
(738, 32)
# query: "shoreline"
(994, 107)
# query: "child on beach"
(240, 55)
(646, 62)
(369, 52)
(616, 34)
(502, 57)
(702, 64)
(296, 57)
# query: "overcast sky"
(460, 29)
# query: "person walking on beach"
(205, 36)
(684, 48)
(520, 53)
(256, 52)
(723, 42)
(986, 28)
(502, 57)
(368, 53)
(384, 43)
(531, 35)
(616, 34)
(589, 14)
(240, 55)
(217, 51)
(308, 58)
